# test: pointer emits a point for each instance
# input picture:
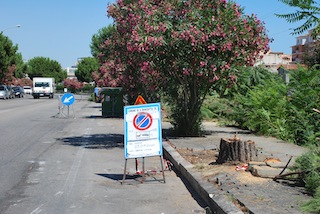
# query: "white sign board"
(142, 130)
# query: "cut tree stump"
(235, 150)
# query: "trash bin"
(112, 102)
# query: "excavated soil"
(250, 193)
(204, 162)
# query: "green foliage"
(185, 120)
(8, 59)
(248, 78)
(309, 163)
(303, 122)
(207, 113)
(313, 206)
(85, 69)
(98, 39)
(266, 105)
(88, 88)
(262, 109)
(270, 107)
(60, 88)
(45, 67)
(216, 108)
(257, 102)
(20, 66)
(92, 97)
(308, 12)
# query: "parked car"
(18, 91)
(4, 93)
(27, 89)
(12, 93)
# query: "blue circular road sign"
(67, 99)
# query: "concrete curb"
(217, 202)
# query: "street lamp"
(16, 26)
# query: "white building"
(71, 70)
(273, 60)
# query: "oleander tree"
(73, 84)
(181, 48)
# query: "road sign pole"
(68, 99)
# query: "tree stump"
(235, 150)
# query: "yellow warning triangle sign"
(140, 101)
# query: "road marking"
(59, 193)
(4, 111)
(37, 210)
(69, 183)
(46, 142)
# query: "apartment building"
(71, 70)
(303, 43)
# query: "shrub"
(303, 122)
(309, 163)
(88, 88)
(262, 109)
(313, 206)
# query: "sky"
(62, 29)
(278, 29)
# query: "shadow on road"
(119, 177)
(95, 141)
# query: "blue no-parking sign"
(67, 99)
(142, 134)
(142, 121)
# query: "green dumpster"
(112, 102)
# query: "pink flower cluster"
(73, 83)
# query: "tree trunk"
(235, 150)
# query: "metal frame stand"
(143, 170)
(62, 114)
(61, 107)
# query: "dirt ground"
(250, 193)
(204, 162)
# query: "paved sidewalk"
(258, 195)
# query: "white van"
(43, 87)
(27, 89)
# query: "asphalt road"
(74, 162)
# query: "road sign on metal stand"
(68, 99)
(142, 136)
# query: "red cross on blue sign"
(142, 121)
